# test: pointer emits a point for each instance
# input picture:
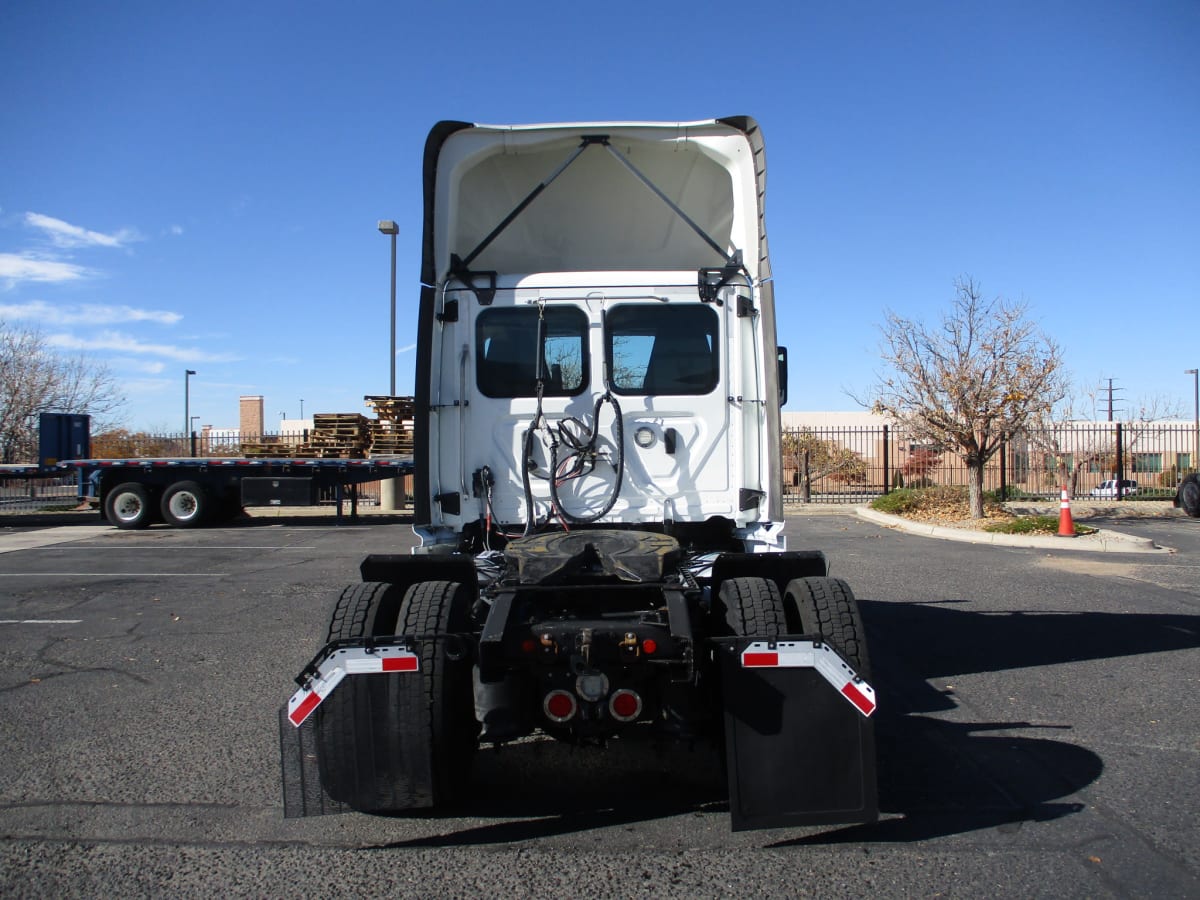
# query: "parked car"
(1109, 488)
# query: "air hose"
(584, 451)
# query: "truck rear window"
(663, 349)
(506, 352)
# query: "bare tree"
(982, 375)
(34, 379)
(814, 459)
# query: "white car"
(1109, 488)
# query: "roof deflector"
(460, 267)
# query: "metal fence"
(820, 465)
(856, 464)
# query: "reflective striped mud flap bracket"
(799, 738)
(353, 737)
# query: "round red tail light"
(559, 706)
(625, 705)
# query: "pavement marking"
(40, 621)
(114, 574)
(108, 548)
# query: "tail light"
(625, 705)
(559, 706)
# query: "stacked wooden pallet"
(264, 448)
(337, 436)
(391, 432)
(349, 435)
(392, 409)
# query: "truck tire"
(751, 607)
(186, 504)
(1188, 496)
(358, 730)
(826, 606)
(443, 607)
(129, 506)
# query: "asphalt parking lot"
(1038, 732)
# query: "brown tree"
(814, 458)
(34, 379)
(982, 375)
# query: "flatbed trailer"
(189, 492)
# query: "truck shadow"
(939, 777)
(936, 777)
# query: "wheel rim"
(128, 507)
(183, 505)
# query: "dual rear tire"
(386, 742)
(132, 505)
(753, 607)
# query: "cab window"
(663, 349)
(506, 347)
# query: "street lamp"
(301, 407)
(387, 226)
(1195, 373)
(187, 390)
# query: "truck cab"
(596, 345)
(598, 493)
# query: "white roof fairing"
(596, 215)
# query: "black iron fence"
(1111, 460)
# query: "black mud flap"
(303, 794)
(363, 743)
(799, 752)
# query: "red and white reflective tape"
(812, 655)
(348, 661)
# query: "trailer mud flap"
(356, 736)
(800, 744)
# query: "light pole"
(387, 226)
(301, 407)
(187, 392)
(1195, 373)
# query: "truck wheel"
(128, 506)
(826, 606)
(751, 607)
(185, 505)
(1188, 496)
(358, 731)
(442, 607)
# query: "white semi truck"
(598, 493)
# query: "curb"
(1103, 541)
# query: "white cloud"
(124, 343)
(16, 268)
(175, 230)
(139, 365)
(86, 314)
(66, 235)
(406, 349)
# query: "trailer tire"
(751, 607)
(827, 606)
(186, 504)
(129, 506)
(358, 730)
(443, 608)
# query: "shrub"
(1034, 525)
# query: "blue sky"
(197, 185)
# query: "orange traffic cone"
(1066, 525)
